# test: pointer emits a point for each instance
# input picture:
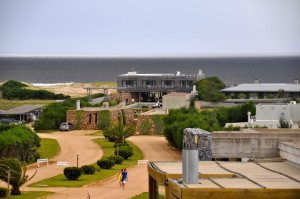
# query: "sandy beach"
(74, 89)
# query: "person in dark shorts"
(124, 178)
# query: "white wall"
(272, 111)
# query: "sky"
(149, 27)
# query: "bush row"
(17, 90)
(212, 120)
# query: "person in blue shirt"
(124, 178)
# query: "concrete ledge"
(290, 151)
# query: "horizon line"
(170, 55)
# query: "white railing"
(64, 164)
(142, 162)
(45, 160)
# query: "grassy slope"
(49, 148)
(31, 195)
(7, 104)
(108, 147)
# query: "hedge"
(105, 163)
(88, 169)
(116, 158)
(125, 152)
(72, 173)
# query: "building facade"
(264, 90)
(151, 87)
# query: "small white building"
(269, 114)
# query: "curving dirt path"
(71, 143)
(155, 148)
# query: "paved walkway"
(155, 148)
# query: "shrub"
(125, 152)
(158, 124)
(117, 132)
(72, 173)
(3, 192)
(105, 163)
(104, 119)
(146, 127)
(209, 89)
(19, 142)
(116, 158)
(88, 169)
(284, 123)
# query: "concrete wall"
(291, 152)
(250, 144)
(272, 111)
(295, 112)
(176, 100)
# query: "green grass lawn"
(108, 148)
(31, 195)
(97, 133)
(8, 104)
(145, 195)
(49, 148)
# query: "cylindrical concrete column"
(190, 166)
(77, 105)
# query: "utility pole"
(77, 159)
(8, 182)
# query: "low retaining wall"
(291, 152)
(250, 144)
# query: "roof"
(237, 174)
(263, 88)
(22, 109)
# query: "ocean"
(230, 70)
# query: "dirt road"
(154, 148)
(71, 143)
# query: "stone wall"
(250, 144)
(118, 96)
(89, 118)
(176, 100)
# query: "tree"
(209, 89)
(13, 171)
(117, 132)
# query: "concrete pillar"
(249, 117)
(197, 145)
(77, 105)
(190, 166)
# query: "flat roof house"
(150, 87)
(264, 90)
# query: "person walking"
(124, 178)
(119, 178)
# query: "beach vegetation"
(17, 90)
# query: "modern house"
(264, 90)
(151, 87)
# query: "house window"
(96, 118)
(90, 118)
